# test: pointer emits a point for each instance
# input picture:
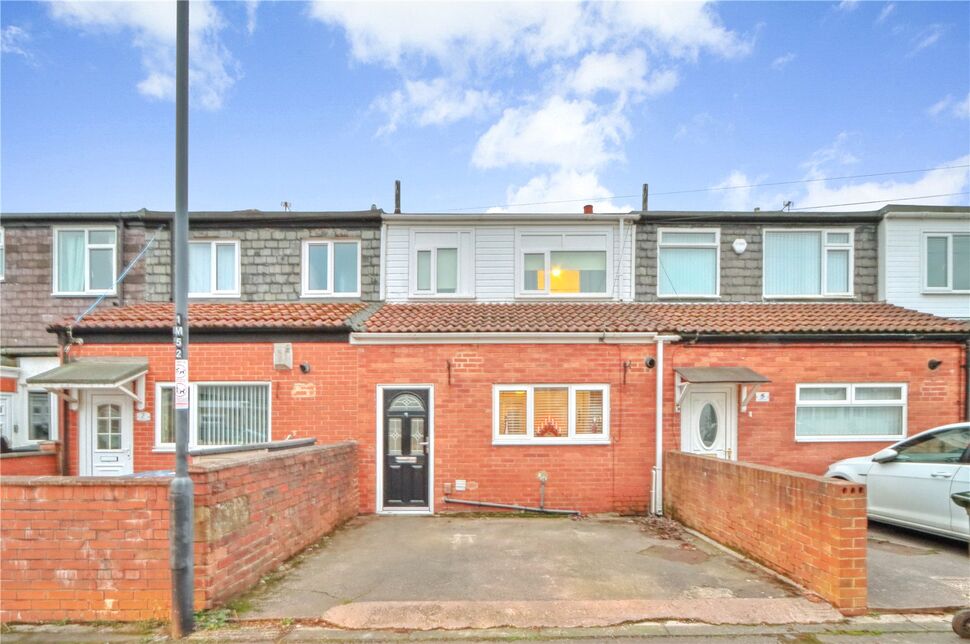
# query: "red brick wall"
(97, 548)
(766, 434)
(808, 528)
(28, 464)
(8, 385)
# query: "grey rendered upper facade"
(251, 256)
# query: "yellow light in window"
(556, 271)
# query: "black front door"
(405, 448)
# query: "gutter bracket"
(747, 395)
(680, 390)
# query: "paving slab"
(910, 571)
(507, 559)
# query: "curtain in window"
(424, 270)
(961, 262)
(534, 278)
(849, 421)
(578, 271)
(447, 270)
(793, 263)
(688, 271)
(225, 267)
(936, 262)
(200, 268)
(166, 415)
(837, 271)
(345, 267)
(317, 267)
(233, 414)
(70, 261)
(551, 412)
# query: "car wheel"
(961, 624)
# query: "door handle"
(941, 475)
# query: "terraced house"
(472, 355)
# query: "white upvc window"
(442, 264)
(40, 416)
(221, 414)
(688, 262)
(331, 268)
(550, 414)
(85, 260)
(946, 262)
(214, 268)
(803, 263)
(3, 254)
(837, 412)
(572, 265)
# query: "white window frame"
(3, 254)
(850, 400)
(88, 247)
(193, 411)
(529, 438)
(716, 245)
(305, 290)
(213, 264)
(54, 418)
(824, 259)
(925, 256)
(464, 245)
(521, 252)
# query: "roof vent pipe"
(588, 209)
(397, 197)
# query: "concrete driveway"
(909, 570)
(475, 572)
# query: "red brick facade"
(808, 528)
(29, 464)
(336, 400)
(95, 548)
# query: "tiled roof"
(715, 319)
(228, 316)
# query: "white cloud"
(835, 153)
(926, 38)
(848, 5)
(619, 73)
(252, 6)
(213, 71)
(437, 102)
(737, 191)
(560, 191)
(887, 10)
(561, 133)
(950, 106)
(782, 61)
(15, 40)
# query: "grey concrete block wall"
(270, 259)
(741, 275)
(27, 306)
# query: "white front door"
(108, 436)
(708, 421)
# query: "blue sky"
(478, 106)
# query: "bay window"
(331, 268)
(808, 263)
(221, 414)
(84, 261)
(214, 269)
(946, 262)
(850, 412)
(550, 414)
(688, 262)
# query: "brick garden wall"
(97, 548)
(808, 528)
(29, 464)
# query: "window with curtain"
(436, 271)
(331, 268)
(850, 412)
(688, 263)
(84, 260)
(808, 263)
(550, 414)
(38, 416)
(214, 269)
(577, 271)
(946, 258)
(221, 414)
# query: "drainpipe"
(966, 382)
(657, 507)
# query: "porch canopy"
(125, 375)
(749, 380)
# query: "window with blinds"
(221, 414)
(550, 414)
(808, 263)
(688, 262)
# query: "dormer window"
(808, 263)
(442, 264)
(564, 265)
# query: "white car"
(910, 483)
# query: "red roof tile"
(718, 319)
(229, 316)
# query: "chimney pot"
(588, 209)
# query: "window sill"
(847, 296)
(163, 450)
(329, 296)
(942, 292)
(848, 439)
(563, 296)
(86, 294)
(441, 296)
(688, 297)
(550, 441)
(214, 296)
